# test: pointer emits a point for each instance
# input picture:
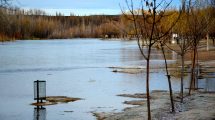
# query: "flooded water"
(74, 68)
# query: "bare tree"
(199, 17)
(168, 75)
(190, 29)
(5, 3)
(147, 29)
(183, 44)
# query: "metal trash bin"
(39, 90)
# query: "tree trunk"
(182, 77)
(169, 81)
(213, 41)
(147, 84)
(192, 80)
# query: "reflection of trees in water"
(206, 83)
(210, 83)
(157, 55)
(39, 113)
(130, 54)
(133, 54)
(174, 55)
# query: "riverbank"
(198, 106)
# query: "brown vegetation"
(36, 24)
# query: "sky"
(77, 7)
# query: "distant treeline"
(36, 24)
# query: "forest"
(37, 24)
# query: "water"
(74, 68)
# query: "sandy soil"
(198, 106)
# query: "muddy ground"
(198, 106)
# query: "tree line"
(36, 24)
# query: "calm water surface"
(74, 68)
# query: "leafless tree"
(189, 33)
(148, 30)
(5, 3)
(190, 29)
(199, 17)
(162, 44)
(184, 44)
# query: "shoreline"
(100, 38)
(198, 106)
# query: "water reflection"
(39, 113)
(207, 83)
(174, 55)
(210, 83)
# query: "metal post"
(37, 91)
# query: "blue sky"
(78, 7)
